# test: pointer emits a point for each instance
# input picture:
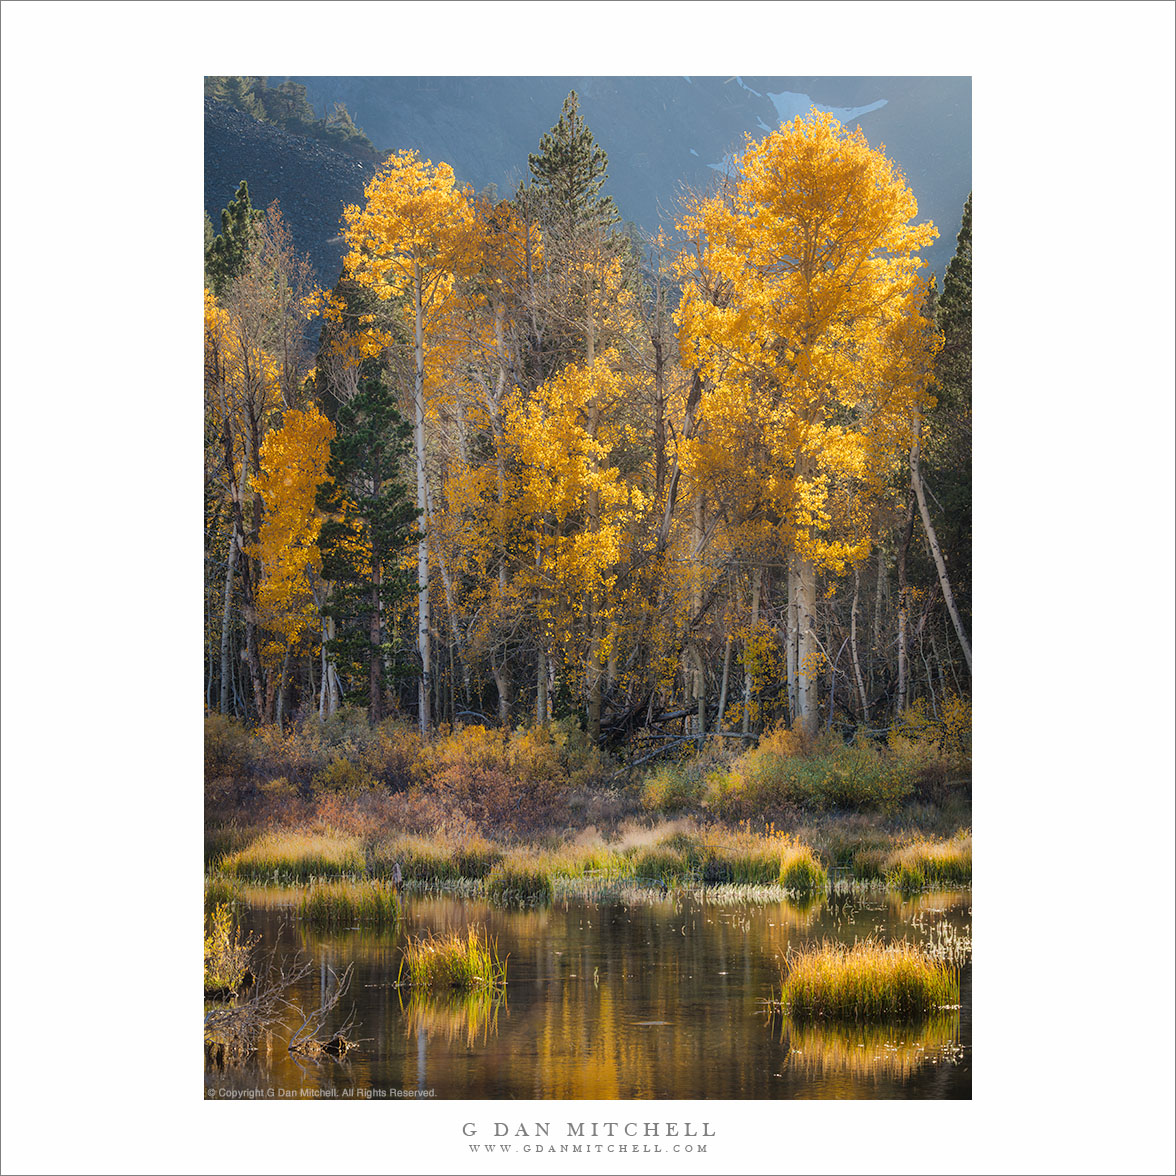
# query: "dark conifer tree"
(225, 255)
(371, 522)
(569, 170)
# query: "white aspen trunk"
(226, 617)
(900, 701)
(793, 627)
(334, 689)
(281, 705)
(447, 587)
(426, 680)
(806, 646)
(324, 677)
(541, 716)
(928, 527)
(755, 603)
(853, 648)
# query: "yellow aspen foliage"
(411, 231)
(293, 465)
(802, 309)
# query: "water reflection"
(623, 999)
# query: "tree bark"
(426, 679)
(928, 527)
(853, 648)
(806, 646)
(756, 574)
(724, 683)
(226, 618)
(900, 701)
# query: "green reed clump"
(454, 961)
(659, 863)
(220, 891)
(419, 860)
(869, 863)
(800, 870)
(339, 904)
(293, 856)
(867, 981)
(477, 858)
(925, 863)
(519, 882)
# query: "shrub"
(829, 775)
(451, 961)
(226, 954)
(508, 782)
(671, 788)
(344, 777)
(867, 981)
(296, 857)
(369, 904)
(516, 882)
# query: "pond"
(658, 997)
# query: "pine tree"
(371, 523)
(570, 169)
(225, 255)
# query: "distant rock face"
(311, 181)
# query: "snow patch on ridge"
(790, 105)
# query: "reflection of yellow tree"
(869, 1051)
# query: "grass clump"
(800, 870)
(293, 856)
(868, 981)
(220, 891)
(454, 961)
(923, 863)
(518, 882)
(366, 904)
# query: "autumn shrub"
(343, 776)
(346, 904)
(227, 953)
(935, 746)
(924, 862)
(670, 788)
(296, 856)
(228, 750)
(821, 774)
(390, 753)
(867, 981)
(516, 882)
(512, 781)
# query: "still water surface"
(659, 998)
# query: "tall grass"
(451, 961)
(867, 981)
(800, 870)
(923, 863)
(220, 891)
(348, 904)
(293, 856)
(517, 882)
